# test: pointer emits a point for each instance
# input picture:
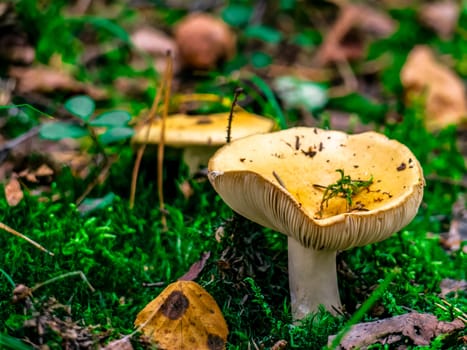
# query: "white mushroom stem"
(312, 279)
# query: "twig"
(65, 275)
(160, 149)
(16, 233)
(237, 93)
(139, 153)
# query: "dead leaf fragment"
(46, 80)
(184, 316)
(441, 16)
(13, 192)
(457, 233)
(196, 268)
(423, 75)
(419, 328)
(361, 17)
(449, 285)
(204, 40)
(157, 44)
(119, 344)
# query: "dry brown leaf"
(13, 192)
(449, 285)
(457, 233)
(45, 80)
(441, 16)
(184, 316)
(351, 16)
(414, 326)
(157, 44)
(196, 268)
(119, 344)
(204, 40)
(423, 75)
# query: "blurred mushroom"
(277, 180)
(200, 136)
(204, 40)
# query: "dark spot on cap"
(309, 153)
(355, 166)
(320, 146)
(175, 305)
(315, 131)
(215, 342)
(401, 167)
(242, 159)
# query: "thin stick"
(65, 275)
(16, 233)
(140, 152)
(160, 148)
(237, 93)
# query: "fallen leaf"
(46, 80)
(184, 316)
(423, 75)
(441, 16)
(13, 192)
(280, 345)
(351, 16)
(417, 327)
(457, 233)
(449, 285)
(156, 43)
(196, 268)
(186, 189)
(119, 344)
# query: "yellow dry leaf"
(445, 93)
(184, 316)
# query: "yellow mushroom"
(199, 136)
(277, 180)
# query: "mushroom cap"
(203, 40)
(272, 179)
(203, 130)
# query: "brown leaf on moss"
(441, 16)
(13, 192)
(449, 285)
(412, 328)
(155, 43)
(452, 240)
(184, 316)
(45, 79)
(196, 268)
(424, 76)
(365, 20)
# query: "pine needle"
(16, 233)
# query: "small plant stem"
(100, 178)
(65, 275)
(140, 151)
(160, 149)
(16, 233)
(237, 93)
(312, 279)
